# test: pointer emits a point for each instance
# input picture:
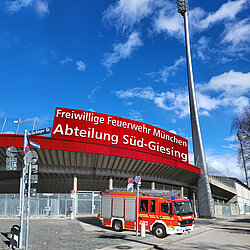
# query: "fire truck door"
(165, 209)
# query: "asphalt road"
(85, 232)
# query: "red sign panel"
(91, 127)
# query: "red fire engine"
(161, 214)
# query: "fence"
(51, 204)
(226, 210)
(87, 202)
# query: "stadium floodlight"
(182, 6)
(205, 201)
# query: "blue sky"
(127, 58)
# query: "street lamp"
(243, 158)
(205, 201)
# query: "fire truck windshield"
(182, 208)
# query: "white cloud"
(80, 66)
(238, 102)
(40, 6)
(227, 11)
(15, 6)
(91, 96)
(207, 103)
(9, 132)
(228, 89)
(122, 50)
(66, 60)
(170, 23)
(226, 164)
(237, 33)
(230, 84)
(202, 48)
(173, 131)
(229, 146)
(195, 16)
(163, 75)
(230, 138)
(176, 102)
(126, 13)
(128, 103)
(225, 59)
(37, 120)
(2, 114)
(135, 115)
(143, 93)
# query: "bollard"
(72, 216)
(143, 230)
(14, 238)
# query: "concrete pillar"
(75, 195)
(194, 202)
(153, 185)
(182, 192)
(110, 183)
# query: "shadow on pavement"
(6, 235)
(124, 237)
(91, 220)
(95, 222)
(237, 230)
(204, 222)
(245, 220)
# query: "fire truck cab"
(161, 214)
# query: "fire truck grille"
(186, 222)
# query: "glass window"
(144, 206)
(182, 208)
(165, 207)
(152, 206)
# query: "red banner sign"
(91, 127)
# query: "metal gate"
(88, 202)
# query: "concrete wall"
(243, 197)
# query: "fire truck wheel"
(117, 225)
(159, 231)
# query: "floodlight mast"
(205, 201)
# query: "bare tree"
(241, 126)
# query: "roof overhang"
(60, 157)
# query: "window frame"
(144, 202)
